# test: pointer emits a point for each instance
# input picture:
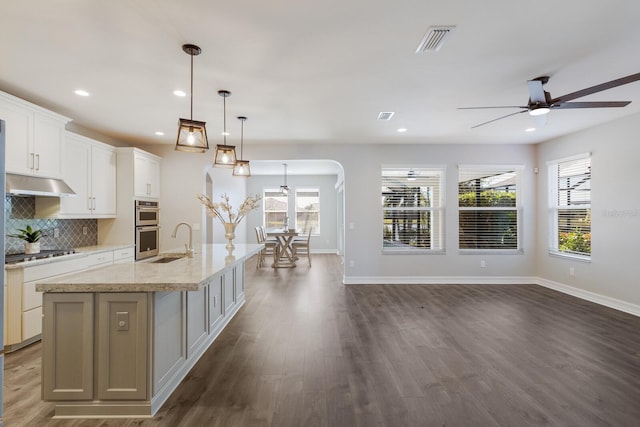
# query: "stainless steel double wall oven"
(147, 216)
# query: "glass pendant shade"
(225, 156)
(192, 136)
(284, 189)
(242, 166)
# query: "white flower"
(218, 209)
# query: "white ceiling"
(308, 72)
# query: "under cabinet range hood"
(25, 185)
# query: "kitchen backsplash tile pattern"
(72, 233)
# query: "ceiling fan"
(541, 102)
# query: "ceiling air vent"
(434, 38)
(385, 115)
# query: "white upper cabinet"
(33, 138)
(146, 175)
(90, 171)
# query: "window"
(570, 206)
(412, 210)
(275, 208)
(488, 206)
(308, 210)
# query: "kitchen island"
(118, 340)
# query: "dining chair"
(270, 247)
(302, 247)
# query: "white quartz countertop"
(184, 274)
(81, 252)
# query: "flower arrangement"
(224, 211)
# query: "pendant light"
(192, 134)
(225, 155)
(284, 189)
(242, 166)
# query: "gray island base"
(118, 340)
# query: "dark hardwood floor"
(306, 350)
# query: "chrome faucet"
(188, 248)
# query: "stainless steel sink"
(166, 259)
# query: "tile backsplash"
(72, 233)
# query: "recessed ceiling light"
(81, 92)
(402, 130)
(179, 93)
(159, 133)
(529, 129)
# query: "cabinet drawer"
(31, 323)
(54, 268)
(123, 255)
(30, 298)
(100, 258)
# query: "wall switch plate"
(56, 233)
(122, 320)
(572, 271)
(483, 263)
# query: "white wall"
(327, 242)
(363, 243)
(615, 222)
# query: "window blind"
(488, 209)
(412, 203)
(570, 206)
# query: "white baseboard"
(591, 296)
(440, 280)
(496, 280)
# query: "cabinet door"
(153, 177)
(103, 180)
(140, 182)
(47, 146)
(67, 347)
(76, 160)
(18, 137)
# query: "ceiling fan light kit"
(192, 134)
(541, 103)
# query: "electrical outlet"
(483, 264)
(352, 263)
(122, 319)
(56, 233)
(572, 271)
(195, 226)
(85, 231)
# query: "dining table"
(284, 257)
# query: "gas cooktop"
(15, 258)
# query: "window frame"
(264, 206)
(295, 208)
(555, 207)
(518, 208)
(437, 211)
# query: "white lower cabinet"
(23, 312)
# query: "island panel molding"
(147, 334)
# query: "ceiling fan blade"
(536, 92)
(499, 118)
(603, 104)
(500, 106)
(597, 88)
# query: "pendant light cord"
(191, 94)
(241, 137)
(224, 119)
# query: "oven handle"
(148, 227)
